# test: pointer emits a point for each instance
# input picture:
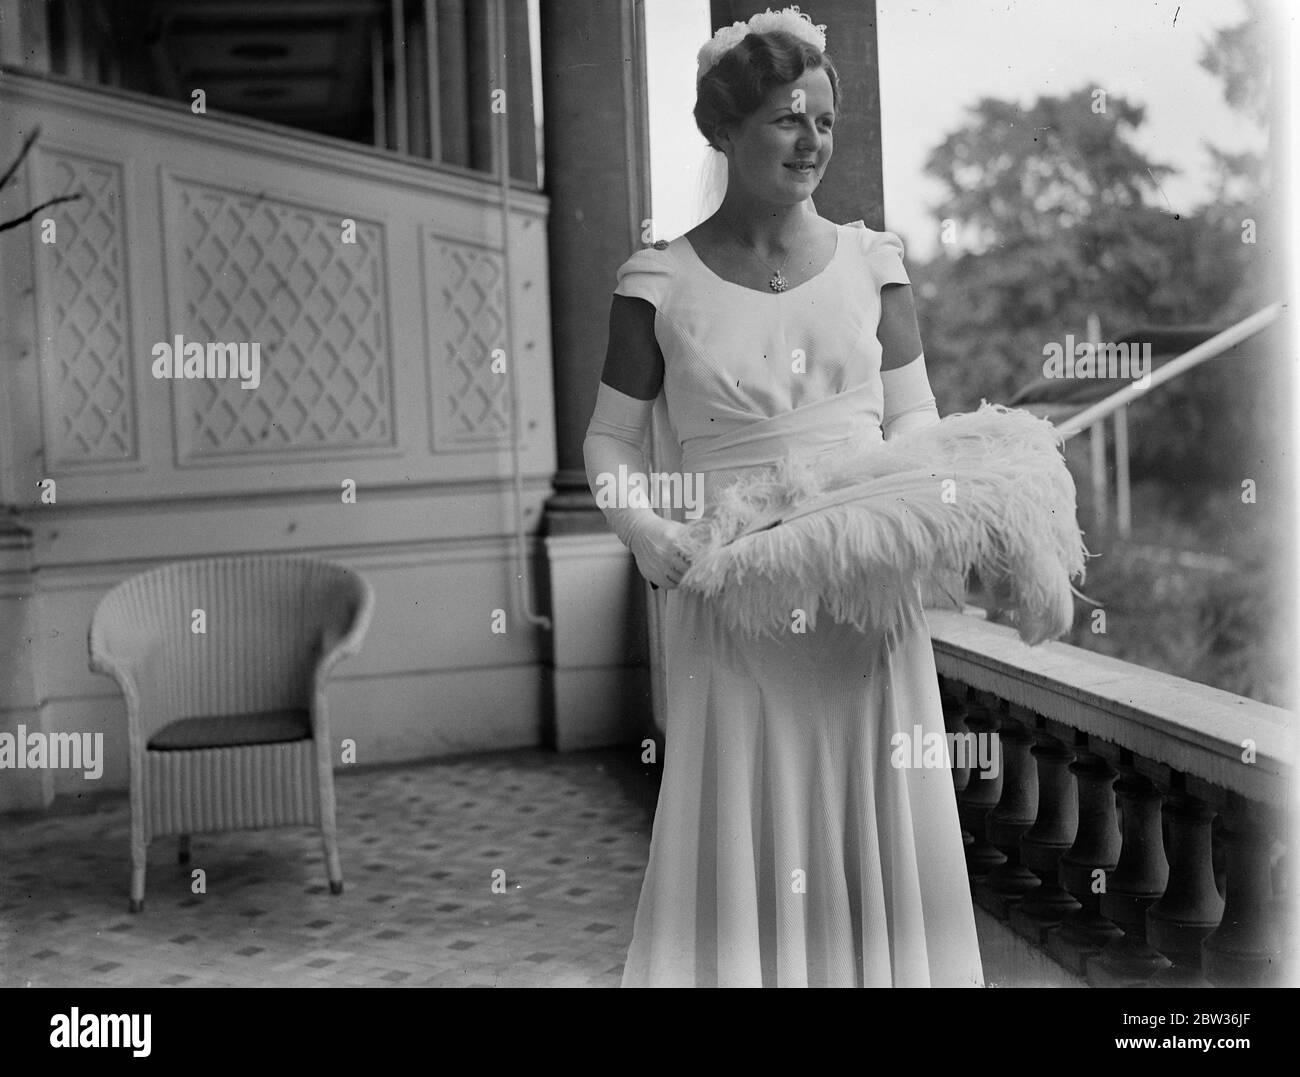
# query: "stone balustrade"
(1136, 830)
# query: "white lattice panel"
(467, 321)
(267, 271)
(83, 290)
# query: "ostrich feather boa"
(852, 530)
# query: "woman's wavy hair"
(736, 85)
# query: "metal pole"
(1097, 447)
(377, 107)
(1123, 497)
(496, 50)
(434, 91)
(400, 133)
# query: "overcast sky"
(938, 57)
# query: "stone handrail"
(1189, 727)
(1133, 823)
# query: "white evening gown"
(786, 850)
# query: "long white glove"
(910, 405)
(909, 400)
(616, 435)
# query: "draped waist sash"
(810, 429)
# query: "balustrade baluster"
(1282, 909)
(1051, 836)
(1190, 907)
(982, 793)
(1246, 946)
(1135, 885)
(954, 721)
(1012, 817)
(1083, 868)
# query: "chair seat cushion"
(232, 731)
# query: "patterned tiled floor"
(419, 845)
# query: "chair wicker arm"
(342, 635)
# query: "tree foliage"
(1058, 214)
(1055, 213)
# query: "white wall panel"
(376, 369)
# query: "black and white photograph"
(648, 493)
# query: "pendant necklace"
(777, 283)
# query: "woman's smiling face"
(779, 152)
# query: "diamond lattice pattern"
(468, 313)
(87, 370)
(257, 270)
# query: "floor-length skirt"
(787, 849)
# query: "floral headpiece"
(790, 19)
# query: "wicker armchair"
(227, 727)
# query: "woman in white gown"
(787, 850)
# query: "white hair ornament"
(790, 19)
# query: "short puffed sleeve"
(646, 275)
(885, 257)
